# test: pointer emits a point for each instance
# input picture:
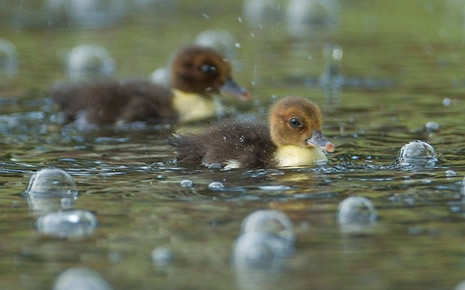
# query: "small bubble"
(187, 183)
(239, 19)
(216, 185)
(446, 102)
(238, 45)
(269, 221)
(432, 126)
(356, 214)
(162, 256)
(205, 15)
(450, 173)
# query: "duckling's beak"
(231, 88)
(318, 139)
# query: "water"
(404, 61)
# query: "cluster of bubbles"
(51, 193)
(301, 17)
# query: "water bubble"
(432, 126)
(8, 59)
(303, 16)
(259, 12)
(65, 224)
(161, 77)
(219, 40)
(88, 61)
(80, 278)
(417, 153)
(269, 221)
(450, 173)
(186, 183)
(356, 215)
(216, 186)
(446, 102)
(260, 249)
(162, 256)
(96, 13)
(238, 45)
(51, 182)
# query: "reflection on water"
(179, 228)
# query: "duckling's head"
(204, 71)
(297, 121)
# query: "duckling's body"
(197, 74)
(255, 144)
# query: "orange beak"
(318, 139)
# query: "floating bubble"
(68, 224)
(432, 126)
(260, 249)
(451, 173)
(356, 215)
(417, 153)
(162, 256)
(161, 77)
(88, 61)
(262, 12)
(186, 183)
(51, 182)
(303, 17)
(269, 221)
(96, 13)
(216, 186)
(220, 40)
(8, 58)
(80, 278)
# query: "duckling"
(197, 73)
(291, 138)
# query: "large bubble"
(87, 61)
(80, 278)
(417, 153)
(269, 221)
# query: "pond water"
(397, 66)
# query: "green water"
(128, 180)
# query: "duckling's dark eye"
(295, 122)
(208, 69)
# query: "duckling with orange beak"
(197, 74)
(291, 138)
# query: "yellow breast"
(194, 107)
(292, 156)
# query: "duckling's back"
(107, 102)
(232, 143)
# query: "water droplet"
(269, 221)
(259, 12)
(239, 19)
(417, 153)
(80, 278)
(73, 223)
(238, 45)
(205, 15)
(216, 186)
(162, 256)
(432, 126)
(88, 61)
(356, 215)
(274, 187)
(187, 183)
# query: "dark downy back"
(245, 141)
